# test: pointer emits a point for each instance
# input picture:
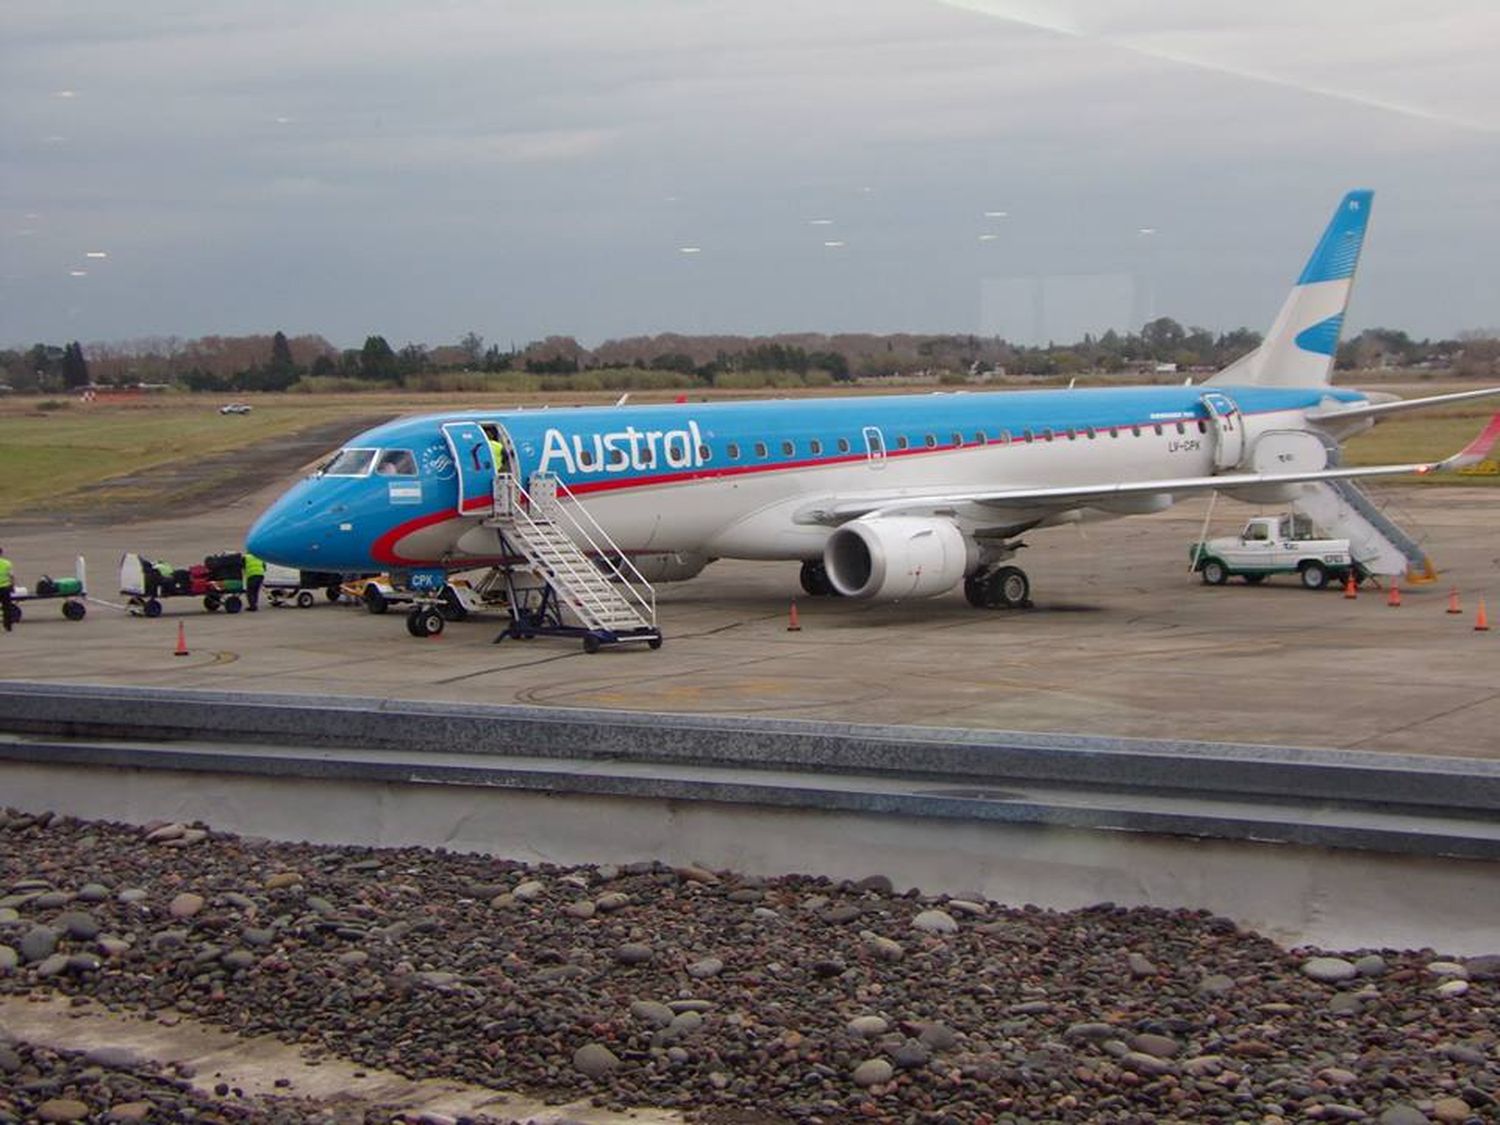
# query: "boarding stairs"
(608, 600)
(1378, 543)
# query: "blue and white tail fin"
(1298, 350)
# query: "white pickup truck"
(1276, 545)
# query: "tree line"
(279, 363)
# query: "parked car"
(235, 408)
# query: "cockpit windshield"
(396, 463)
(350, 463)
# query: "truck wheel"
(1215, 573)
(1314, 575)
(304, 599)
(424, 622)
(374, 600)
(74, 611)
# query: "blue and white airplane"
(876, 496)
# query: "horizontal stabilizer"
(1332, 411)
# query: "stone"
(910, 1055)
(705, 969)
(129, 1112)
(611, 901)
(1448, 969)
(185, 905)
(867, 1027)
(873, 1072)
(1402, 1114)
(966, 906)
(690, 873)
(584, 909)
(650, 1012)
(1140, 965)
(1216, 984)
(78, 924)
(1329, 970)
(1452, 989)
(634, 953)
(938, 1036)
(935, 922)
(529, 891)
(1371, 965)
(883, 947)
(595, 1060)
(1161, 1046)
(62, 1109)
(1454, 1110)
(38, 943)
(280, 880)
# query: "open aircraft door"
(1229, 429)
(470, 447)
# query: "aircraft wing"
(1331, 411)
(1063, 497)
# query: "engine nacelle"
(898, 557)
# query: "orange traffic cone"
(1395, 596)
(793, 625)
(1453, 601)
(1351, 589)
(182, 648)
(1481, 619)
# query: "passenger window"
(1135, 431)
(843, 445)
(1072, 434)
(1027, 435)
(787, 449)
(1090, 432)
(979, 438)
(350, 463)
(1181, 429)
(931, 440)
(1203, 426)
(617, 457)
(761, 450)
(733, 450)
(816, 446)
(1114, 431)
(958, 439)
(396, 463)
(586, 459)
(901, 442)
(647, 458)
(1158, 429)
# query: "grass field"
(64, 451)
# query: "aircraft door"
(1229, 429)
(874, 447)
(470, 447)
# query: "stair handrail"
(609, 560)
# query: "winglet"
(1477, 450)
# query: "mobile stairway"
(587, 589)
(1380, 545)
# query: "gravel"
(679, 990)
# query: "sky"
(612, 168)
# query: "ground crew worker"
(7, 587)
(255, 574)
(497, 449)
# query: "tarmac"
(1122, 641)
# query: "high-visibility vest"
(254, 566)
(6, 573)
(497, 453)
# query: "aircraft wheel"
(304, 599)
(374, 600)
(590, 643)
(814, 579)
(153, 607)
(1314, 575)
(232, 604)
(1215, 573)
(1010, 588)
(74, 611)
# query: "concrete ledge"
(1405, 783)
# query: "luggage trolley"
(144, 587)
(285, 585)
(70, 591)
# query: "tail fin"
(1298, 351)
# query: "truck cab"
(1283, 544)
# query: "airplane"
(879, 497)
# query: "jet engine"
(889, 557)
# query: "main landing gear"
(1005, 587)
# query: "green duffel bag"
(66, 587)
(231, 585)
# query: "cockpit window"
(396, 463)
(350, 463)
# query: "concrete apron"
(254, 1065)
(1333, 898)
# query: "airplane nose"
(268, 537)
